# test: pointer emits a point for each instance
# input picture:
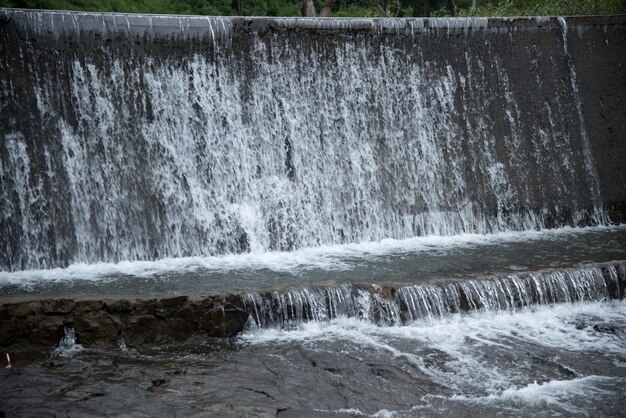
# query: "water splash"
(67, 347)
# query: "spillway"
(148, 137)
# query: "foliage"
(544, 8)
(343, 8)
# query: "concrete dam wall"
(128, 137)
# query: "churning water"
(566, 359)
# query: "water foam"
(326, 258)
(556, 332)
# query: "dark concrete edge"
(102, 321)
(55, 23)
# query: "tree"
(452, 7)
(385, 6)
(308, 8)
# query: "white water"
(284, 144)
(289, 308)
(561, 334)
(67, 347)
(328, 258)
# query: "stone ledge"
(101, 322)
(138, 321)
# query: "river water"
(511, 352)
(559, 360)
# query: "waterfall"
(402, 305)
(144, 137)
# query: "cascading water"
(406, 304)
(213, 135)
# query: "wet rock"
(226, 321)
(156, 384)
(464, 304)
(118, 306)
(23, 309)
(167, 307)
(205, 304)
(173, 302)
(233, 301)
(162, 313)
(605, 329)
(78, 413)
(57, 306)
(88, 306)
(300, 413)
(621, 280)
(48, 331)
(141, 329)
(385, 292)
(97, 328)
(179, 329)
(7, 331)
(188, 313)
(21, 329)
(145, 307)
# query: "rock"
(188, 313)
(162, 313)
(145, 307)
(205, 305)
(97, 328)
(605, 329)
(57, 306)
(88, 306)
(302, 413)
(48, 331)
(118, 306)
(225, 321)
(173, 302)
(166, 307)
(23, 309)
(179, 329)
(141, 329)
(156, 385)
(7, 331)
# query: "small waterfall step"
(404, 304)
(106, 322)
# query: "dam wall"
(130, 137)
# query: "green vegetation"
(341, 8)
(545, 8)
